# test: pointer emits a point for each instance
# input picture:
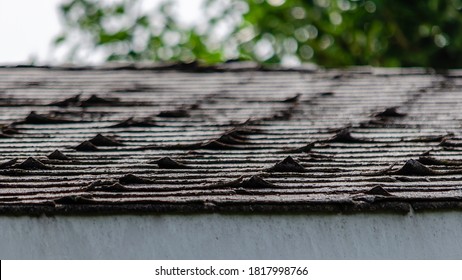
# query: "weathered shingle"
(246, 140)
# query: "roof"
(228, 139)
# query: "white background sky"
(27, 29)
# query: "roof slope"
(156, 140)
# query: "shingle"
(188, 139)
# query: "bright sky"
(27, 29)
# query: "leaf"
(60, 39)
(106, 38)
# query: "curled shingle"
(231, 140)
(293, 99)
(414, 168)
(217, 145)
(255, 182)
(390, 112)
(132, 122)
(434, 161)
(34, 118)
(287, 165)
(378, 190)
(448, 143)
(101, 140)
(243, 185)
(67, 102)
(168, 163)
(283, 115)
(8, 130)
(133, 179)
(95, 100)
(73, 199)
(179, 113)
(86, 146)
(57, 155)
(8, 163)
(430, 138)
(344, 136)
(32, 163)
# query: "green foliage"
(331, 33)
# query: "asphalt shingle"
(228, 140)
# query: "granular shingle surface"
(151, 140)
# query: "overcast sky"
(27, 28)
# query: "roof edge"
(176, 66)
(389, 207)
(239, 66)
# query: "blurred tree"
(331, 33)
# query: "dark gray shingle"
(161, 140)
